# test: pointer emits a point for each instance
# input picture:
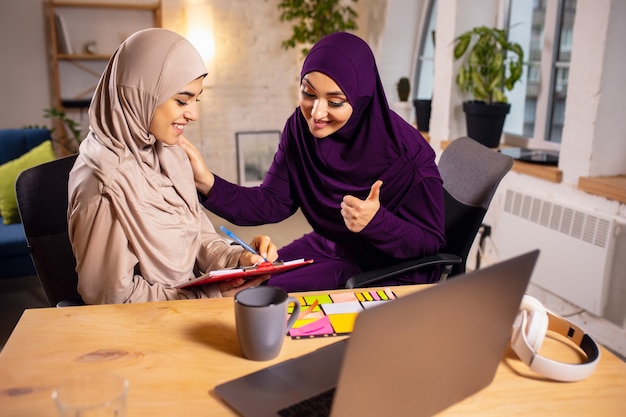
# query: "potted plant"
(422, 114)
(63, 144)
(314, 19)
(66, 144)
(492, 65)
(404, 88)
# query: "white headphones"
(529, 330)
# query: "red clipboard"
(246, 272)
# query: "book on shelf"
(64, 46)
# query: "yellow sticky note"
(343, 323)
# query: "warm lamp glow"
(199, 18)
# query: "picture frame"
(255, 153)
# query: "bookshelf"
(82, 35)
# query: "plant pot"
(422, 114)
(485, 121)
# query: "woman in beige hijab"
(135, 223)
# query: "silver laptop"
(413, 356)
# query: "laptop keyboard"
(316, 406)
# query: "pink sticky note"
(317, 328)
(375, 295)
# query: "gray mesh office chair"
(471, 174)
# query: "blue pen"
(241, 242)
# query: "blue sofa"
(15, 260)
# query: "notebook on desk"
(415, 355)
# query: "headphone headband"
(532, 314)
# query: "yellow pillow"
(8, 173)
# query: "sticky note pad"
(317, 313)
(322, 299)
(316, 328)
(344, 297)
(370, 304)
(342, 308)
(343, 323)
(375, 295)
(367, 296)
(390, 294)
(303, 322)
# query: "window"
(544, 29)
(425, 65)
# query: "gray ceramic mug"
(261, 317)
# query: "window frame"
(548, 70)
(429, 7)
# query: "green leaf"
(499, 97)
(479, 87)
(494, 84)
(462, 79)
(314, 19)
(461, 45)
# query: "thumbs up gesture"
(358, 213)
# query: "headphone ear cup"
(537, 324)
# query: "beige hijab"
(148, 185)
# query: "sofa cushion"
(13, 241)
(8, 173)
(16, 142)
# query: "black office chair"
(471, 174)
(42, 201)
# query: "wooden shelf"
(83, 57)
(548, 173)
(97, 5)
(613, 187)
(74, 76)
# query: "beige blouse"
(136, 226)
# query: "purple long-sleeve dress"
(314, 174)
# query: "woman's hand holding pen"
(265, 249)
(358, 213)
(202, 175)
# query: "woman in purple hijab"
(365, 179)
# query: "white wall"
(23, 71)
(396, 50)
(594, 113)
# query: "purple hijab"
(374, 144)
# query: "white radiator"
(576, 247)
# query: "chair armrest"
(368, 278)
(70, 303)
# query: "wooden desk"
(175, 352)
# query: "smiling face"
(171, 117)
(323, 104)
